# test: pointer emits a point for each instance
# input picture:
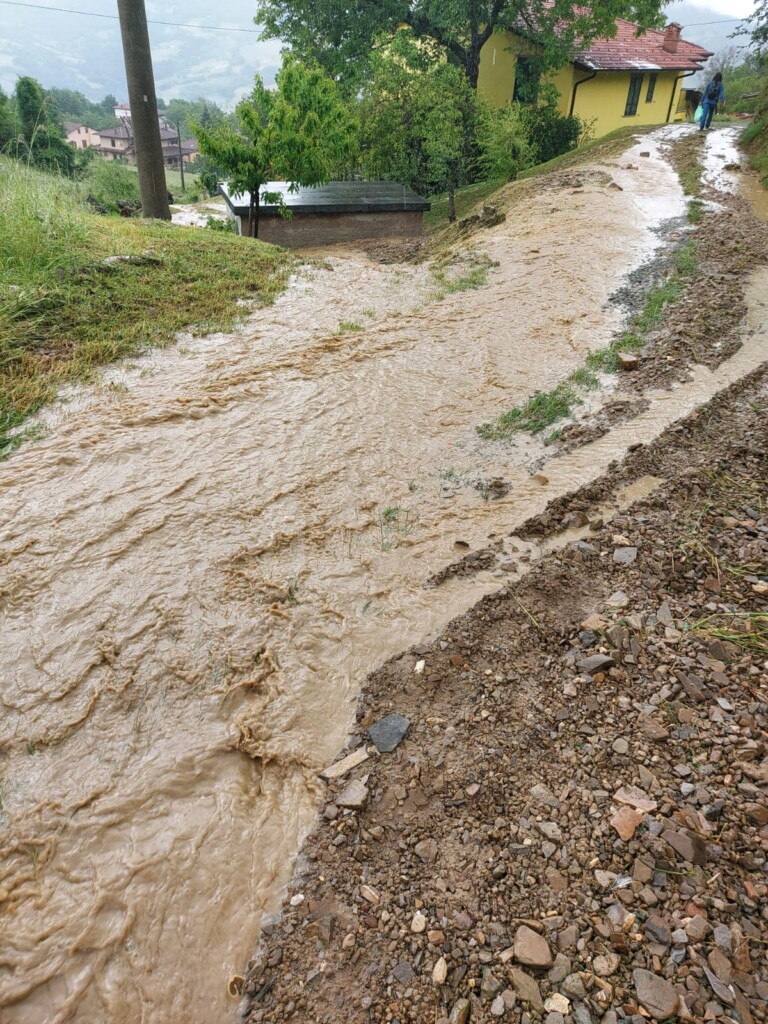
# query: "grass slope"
(78, 290)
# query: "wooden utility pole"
(181, 153)
(143, 101)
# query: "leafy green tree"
(302, 132)
(202, 111)
(41, 129)
(419, 118)
(505, 145)
(339, 34)
(74, 106)
(7, 123)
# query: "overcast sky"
(80, 52)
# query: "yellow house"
(628, 80)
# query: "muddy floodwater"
(205, 555)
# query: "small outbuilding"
(340, 211)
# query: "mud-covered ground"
(574, 827)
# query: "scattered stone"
(627, 360)
(557, 1003)
(498, 1007)
(527, 988)
(418, 923)
(625, 556)
(626, 821)
(595, 663)
(618, 599)
(697, 928)
(370, 894)
(427, 850)
(543, 795)
(388, 732)
(354, 796)
(691, 848)
(656, 994)
(440, 971)
(460, 1012)
(551, 830)
(340, 768)
(634, 797)
(404, 973)
(531, 948)
(606, 964)
(620, 746)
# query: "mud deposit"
(205, 556)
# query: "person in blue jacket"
(714, 94)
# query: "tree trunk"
(451, 205)
(253, 215)
(472, 64)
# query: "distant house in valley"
(628, 80)
(81, 136)
(117, 143)
(123, 113)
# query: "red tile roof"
(630, 52)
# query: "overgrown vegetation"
(78, 290)
(545, 408)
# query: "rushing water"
(205, 556)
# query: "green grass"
(755, 141)
(746, 630)
(453, 275)
(607, 146)
(544, 408)
(541, 410)
(64, 312)
(349, 327)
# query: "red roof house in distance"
(631, 79)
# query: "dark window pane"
(651, 88)
(635, 85)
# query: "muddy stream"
(205, 555)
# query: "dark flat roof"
(334, 197)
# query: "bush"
(108, 182)
(209, 180)
(550, 133)
(505, 146)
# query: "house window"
(651, 88)
(527, 80)
(113, 141)
(635, 85)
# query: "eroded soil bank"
(204, 558)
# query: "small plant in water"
(349, 327)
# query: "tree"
(724, 61)
(758, 25)
(419, 118)
(302, 132)
(40, 128)
(339, 34)
(7, 123)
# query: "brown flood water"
(198, 569)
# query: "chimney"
(672, 37)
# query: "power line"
(113, 17)
(253, 31)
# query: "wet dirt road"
(206, 555)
